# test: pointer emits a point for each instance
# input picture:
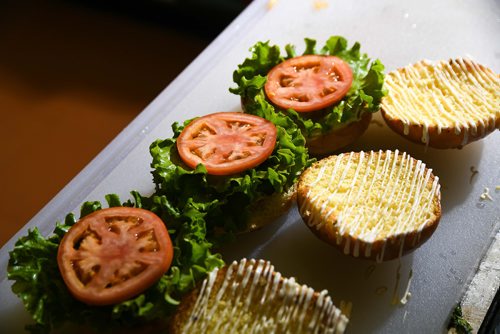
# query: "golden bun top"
(457, 94)
(249, 296)
(368, 198)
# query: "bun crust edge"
(445, 139)
(338, 138)
(318, 300)
(381, 249)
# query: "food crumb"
(486, 195)
(497, 188)
(271, 3)
(474, 172)
(320, 4)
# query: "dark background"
(73, 74)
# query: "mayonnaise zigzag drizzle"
(370, 197)
(250, 297)
(458, 94)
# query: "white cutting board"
(397, 32)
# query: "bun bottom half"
(338, 138)
(267, 209)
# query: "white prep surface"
(397, 32)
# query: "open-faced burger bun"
(329, 92)
(250, 297)
(376, 205)
(446, 104)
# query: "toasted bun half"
(338, 138)
(446, 104)
(375, 205)
(250, 297)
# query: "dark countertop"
(73, 74)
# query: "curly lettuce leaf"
(223, 201)
(38, 282)
(365, 94)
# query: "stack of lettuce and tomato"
(365, 94)
(198, 209)
(224, 201)
(39, 284)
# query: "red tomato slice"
(227, 142)
(308, 83)
(114, 254)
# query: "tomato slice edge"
(287, 76)
(131, 287)
(257, 153)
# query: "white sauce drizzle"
(457, 94)
(400, 185)
(256, 299)
(407, 293)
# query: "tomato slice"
(114, 254)
(227, 142)
(308, 83)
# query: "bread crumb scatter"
(320, 4)
(444, 104)
(486, 195)
(271, 4)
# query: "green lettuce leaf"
(223, 201)
(39, 284)
(365, 94)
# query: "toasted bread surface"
(250, 297)
(376, 205)
(446, 104)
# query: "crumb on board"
(320, 4)
(271, 3)
(486, 195)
